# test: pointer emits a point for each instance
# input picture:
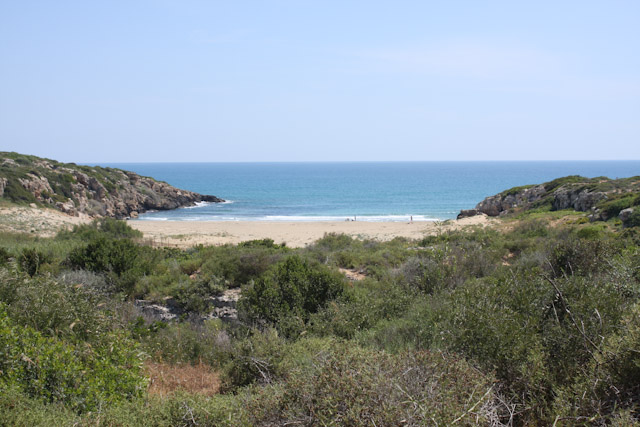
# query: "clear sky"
(182, 80)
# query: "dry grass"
(166, 379)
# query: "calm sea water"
(373, 191)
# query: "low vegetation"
(533, 324)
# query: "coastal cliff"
(87, 190)
(602, 197)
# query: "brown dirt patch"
(166, 379)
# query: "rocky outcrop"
(220, 307)
(94, 191)
(576, 198)
(593, 195)
(133, 195)
(625, 215)
(465, 213)
(37, 185)
(501, 203)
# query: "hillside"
(91, 190)
(602, 197)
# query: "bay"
(370, 191)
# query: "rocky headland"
(602, 198)
(87, 190)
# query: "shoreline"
(186, 234)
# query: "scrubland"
(534, 322)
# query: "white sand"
(39, 221)
(294, 234)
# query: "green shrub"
(413, 329)
(192, 295)
(590, 232)
(531, 228)
(354, 386)
(79, 376)
(72, 311)
(289, 292)
(31, 260)
(610, 384)
(573, 255)
(105, 255)
(102, 227)
(612, 208)
(121, 259)
(571, 179)
(263, 243)
(254, 359)
(360, 308)
(239, 265)
(18, 409)
(15, 192)
(5, 255)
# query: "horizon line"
(354, 161)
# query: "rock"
(229, 298)
(33, 205)
(222, 307)
(36, 185)
(133, 214)
(155, 311)
(502, 203)
(82, 178)
(3, 185)
(223, 313)
(575, 198)
(67, 207)
(625, 214)
(465, 213)
(95, 186)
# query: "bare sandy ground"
(294, 234)
(38, 221)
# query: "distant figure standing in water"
(411, 222)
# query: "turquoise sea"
(371, 191)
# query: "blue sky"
(168, 80)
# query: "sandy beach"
(183, 234)
(294, 234)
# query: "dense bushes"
(105, 255)
(531, 325)
(56, 308)
(354, 386)
(77, 375)
(289, 293)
